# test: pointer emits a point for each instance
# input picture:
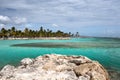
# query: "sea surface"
(104, 50)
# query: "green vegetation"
(28, 33)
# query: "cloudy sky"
(88, 17)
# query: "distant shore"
(39, 38)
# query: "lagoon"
(104, 50)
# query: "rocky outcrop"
(55, 67)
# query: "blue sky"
(88, 17)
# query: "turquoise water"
(104, 50)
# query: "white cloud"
(4, 19)
(18, 20)
(8, 22)
(2, 25)
(55, 25)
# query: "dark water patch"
(70, 45)
(114, 75)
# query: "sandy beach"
(37, 38)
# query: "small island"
(14, 34)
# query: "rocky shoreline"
(55, 67)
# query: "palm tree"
(3, 32)
(59, 33)
(26, 32)
(13, 32)
(41, 32)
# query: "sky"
(88, 17)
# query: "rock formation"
(55, 67)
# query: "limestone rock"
(26, 61)
(80, 60)
(55, 67)
(7, 71)
(93, 69)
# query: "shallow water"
(104, 50)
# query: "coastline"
(38, 38)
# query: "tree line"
(14, 33)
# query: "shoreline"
(53, 38)
(38, 38)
